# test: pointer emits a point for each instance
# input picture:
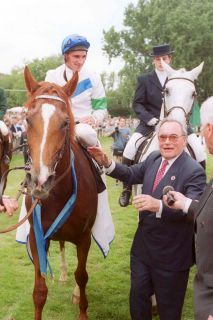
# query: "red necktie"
(160, 174)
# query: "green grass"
(108, 286)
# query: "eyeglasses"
(173, 138)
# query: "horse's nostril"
(47, 185)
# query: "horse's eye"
(166, 91)
(64, 124)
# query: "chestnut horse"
(54, 181)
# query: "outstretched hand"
(10, 205)
(100, 156)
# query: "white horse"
(179, 96)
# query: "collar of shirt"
(161, 76)
(69, 72)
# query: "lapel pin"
(173, 178)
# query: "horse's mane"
(53, 89)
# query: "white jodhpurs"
(133, 145)
(197, 146)
(86, 135)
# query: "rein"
(166, 111)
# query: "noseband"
(166, 111)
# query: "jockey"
(89, 105)
(3, 128)
(147, 105)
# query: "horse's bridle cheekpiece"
(166, 111)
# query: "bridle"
(166, 111)
(66, 140)
(27, 168)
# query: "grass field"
(108, 286)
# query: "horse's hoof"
(75, 300)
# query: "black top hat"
(161, 50)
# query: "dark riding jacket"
(147, 101)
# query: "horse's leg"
(81, 275)
(63, 275)
(40, 288)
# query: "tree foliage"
(14, 82)
(186, 24)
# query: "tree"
(14, 82)
(186, 24)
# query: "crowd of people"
(163, 247)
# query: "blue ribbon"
(41, 238)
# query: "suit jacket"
(147, 101)
(202, 212)
(165, 242)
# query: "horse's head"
(179, 92)
(49, 132)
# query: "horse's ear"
(70, 86)
(31, 84)
(196, 71)
(167, 68)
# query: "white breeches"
(137, 138)
(86, 135)
(132, 145)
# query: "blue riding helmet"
(72, 41)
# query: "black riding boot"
(127, 190)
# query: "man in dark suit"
(147, 104)
(162, 250)
(202, 213)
